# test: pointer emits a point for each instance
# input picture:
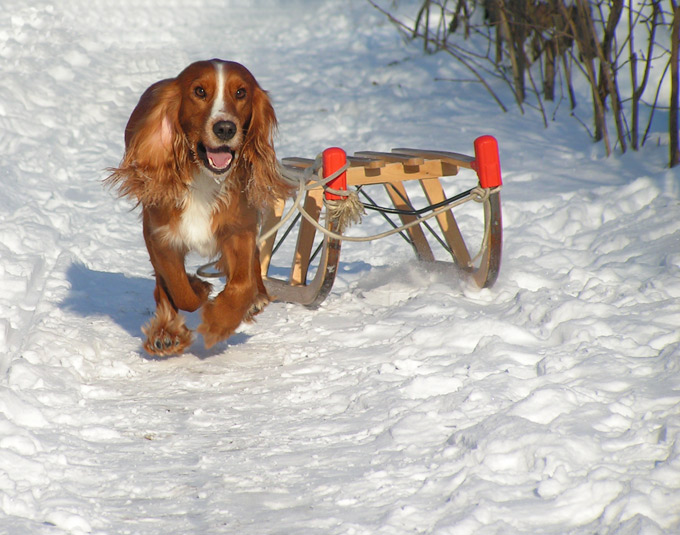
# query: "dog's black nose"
(224, 130)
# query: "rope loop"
(343, 213)
(308, 179)
(480, 194)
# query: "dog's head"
(212, 118)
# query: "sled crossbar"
(391, 170)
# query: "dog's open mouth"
(218, 160)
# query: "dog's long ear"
(265, 184)
(156, 161)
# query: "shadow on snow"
(127, 301)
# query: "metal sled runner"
(342, 176)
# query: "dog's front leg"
(166, 333)
(223, 315)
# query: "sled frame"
(391, 170)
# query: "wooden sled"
(390, 170)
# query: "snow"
(410, 401)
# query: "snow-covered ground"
(409, 402)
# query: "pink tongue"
(219, 160)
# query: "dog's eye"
(199, 92)
(241, 93)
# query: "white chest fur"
(194, 231)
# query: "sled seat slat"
(398, 172)
(363, 161)
(453, 158)
(300, 163)
(354, 161)
(392, 157)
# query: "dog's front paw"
(215, 326)
(259, 304)
(166, 334)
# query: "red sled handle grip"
(487, 162)
(333, 159)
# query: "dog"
(199, 159)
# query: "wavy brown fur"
(258, 159)
(156, 166)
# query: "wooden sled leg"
(488, 167)
(313, 293)
(399, 197)
(270, 218)
(447, 223)
(303, 250)
(297, 290)
(486, 273)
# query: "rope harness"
(349, 210)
